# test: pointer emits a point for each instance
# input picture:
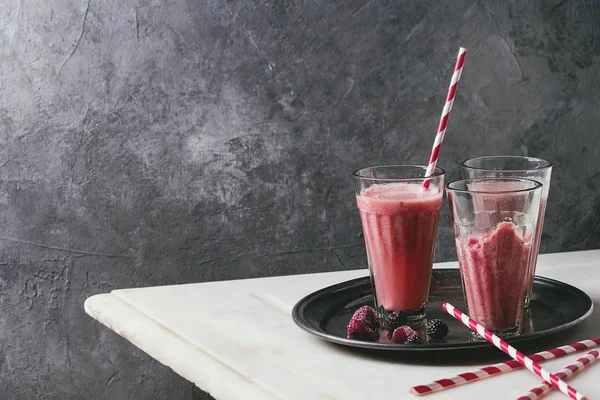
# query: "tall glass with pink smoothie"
(516, 167)
(399, 219)
(495, 223)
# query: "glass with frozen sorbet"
(495, 224)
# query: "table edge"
(182, 357)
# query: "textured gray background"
(160, 142)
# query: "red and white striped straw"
(501, 368)
(514, 353)
(566, 373)
(441, 131)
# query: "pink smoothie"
(400, 223)
(494, 267)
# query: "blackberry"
(414, 339)
(395, 319)
(437, 329)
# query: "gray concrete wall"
(148, 142)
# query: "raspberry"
(437, 329)
(402, 333)
(414, 339)
(395, 319)
(358, 329)
(368, 316)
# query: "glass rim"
(436, 172)
(536, 185)
(546, 164)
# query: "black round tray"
(555, 307)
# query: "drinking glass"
(495, 225)
(399, 219)
(516, 167)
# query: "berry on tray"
(395, 319)
(402, 333)
(368, 316)
(414, 339)
(437, 329)
(359, 330)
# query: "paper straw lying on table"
(566, 373)
(514, 353)
(501, 368)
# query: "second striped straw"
(566, 373)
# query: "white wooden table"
(237, 340)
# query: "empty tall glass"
(516, 167)
(495, 223)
